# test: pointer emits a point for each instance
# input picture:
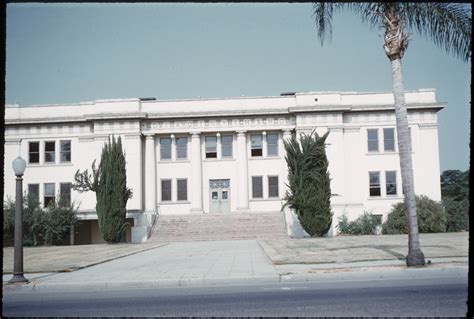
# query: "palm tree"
(448, 25)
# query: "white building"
(206, 156)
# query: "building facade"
(224, 156)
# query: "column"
(150, 174)
(196, 178)
(173, 147)
(286, 137)
(243, 172)
(264, 144)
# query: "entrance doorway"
(219, 193)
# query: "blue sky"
(67, 53)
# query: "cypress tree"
(109, 182)
(309, 189)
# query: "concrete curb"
(330, 275)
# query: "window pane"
(49, 152)
(34, 147)
(34, 158)
(165, 148)
(182, 189)
(389, 139)
(65, 191)
(65, 151)
(374, 188)
(33, 191)
(226, 141)
(165, 190)
(257, 189)
(48, 193)
(256, 140)
(211, 146)
(272, 144)
(181, 147)
(391, 182)
(273, 186)
(372, 139)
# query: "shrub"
(457, 214)
(363, 225)
(49, 226)
(430, 214)
(309, 189)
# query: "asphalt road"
(439, 297)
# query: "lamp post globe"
(19, 166)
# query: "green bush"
(430, 214)
(363, 225)
(457, 214)
(48, 226)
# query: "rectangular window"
(181, 147)
(391, 182)
(182, 189)
(65, 149)
(211, 146)
(165, 148)
(48, 193)
(374, 178)
(256, 144)
(165, 190)
(257, 187)
(272, 144)
(33, 152)
(389, 139)
(65, 192)
(49, 152)
(33, 192)
(378, 219)
(226, 144)
(373, 140)
(272, 186)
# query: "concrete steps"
(230, 226)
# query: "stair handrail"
(154, 221)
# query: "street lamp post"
(19, 166)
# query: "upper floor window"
(374, 180)
(50, 152)
(272, 144)
(65, 193)
(182, 185)
(256, 144)
(33, 192)
(226, 144)
(211, 146)
(257, 187)
(165, 190)
(181, 147)
(391, 182)
(165, 148)
(65, 151)
(272, 186)
(372, 140)
(49, 191)
(33, 152)
(389, 139)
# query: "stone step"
(261, 225)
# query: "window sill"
(259, 158)
(272, 199)
(218, 159)
(29, 165)
(389, 197)
(175, 161)
(174, 203)
(384, 153)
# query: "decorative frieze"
(236, 123)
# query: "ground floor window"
(48, 193)
(65, 192)
(166, 190)
(257, 187)
(33, 191)
(182, 185)
(374, 188)
(273, 186)
(391, 182)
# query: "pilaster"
(196, 177)
(242, 166)
(150, 174)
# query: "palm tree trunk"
(415, 255)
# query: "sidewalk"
(237, 262)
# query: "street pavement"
(217, 263)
